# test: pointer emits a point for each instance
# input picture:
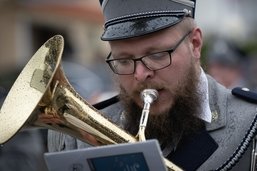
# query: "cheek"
(126, 82)
(178, 73)
(177, 70)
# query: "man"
(157, 45)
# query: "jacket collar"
(218, 103)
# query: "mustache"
(148, 85)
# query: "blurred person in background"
(226, 62)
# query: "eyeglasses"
(154, 61)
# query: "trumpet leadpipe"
(148, 96)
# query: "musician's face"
(167, 81)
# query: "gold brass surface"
(42, 96)
(29, 88)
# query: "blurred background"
(229, 54)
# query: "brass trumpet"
(42, 96)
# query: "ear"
(196, 42)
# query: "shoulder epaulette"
(106, 103)
(246, 94)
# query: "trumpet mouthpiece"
(149, 95)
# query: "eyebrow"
(148, 51)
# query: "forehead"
(153, 40)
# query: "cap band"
(177, 13)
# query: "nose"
(142, 72)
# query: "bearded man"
(157, 45)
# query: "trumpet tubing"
(68, 112)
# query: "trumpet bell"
(30, 87)
(42, 96)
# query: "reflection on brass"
(42, 96)
(37, 82)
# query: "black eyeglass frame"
(170, 51)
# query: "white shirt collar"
(205, 111)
